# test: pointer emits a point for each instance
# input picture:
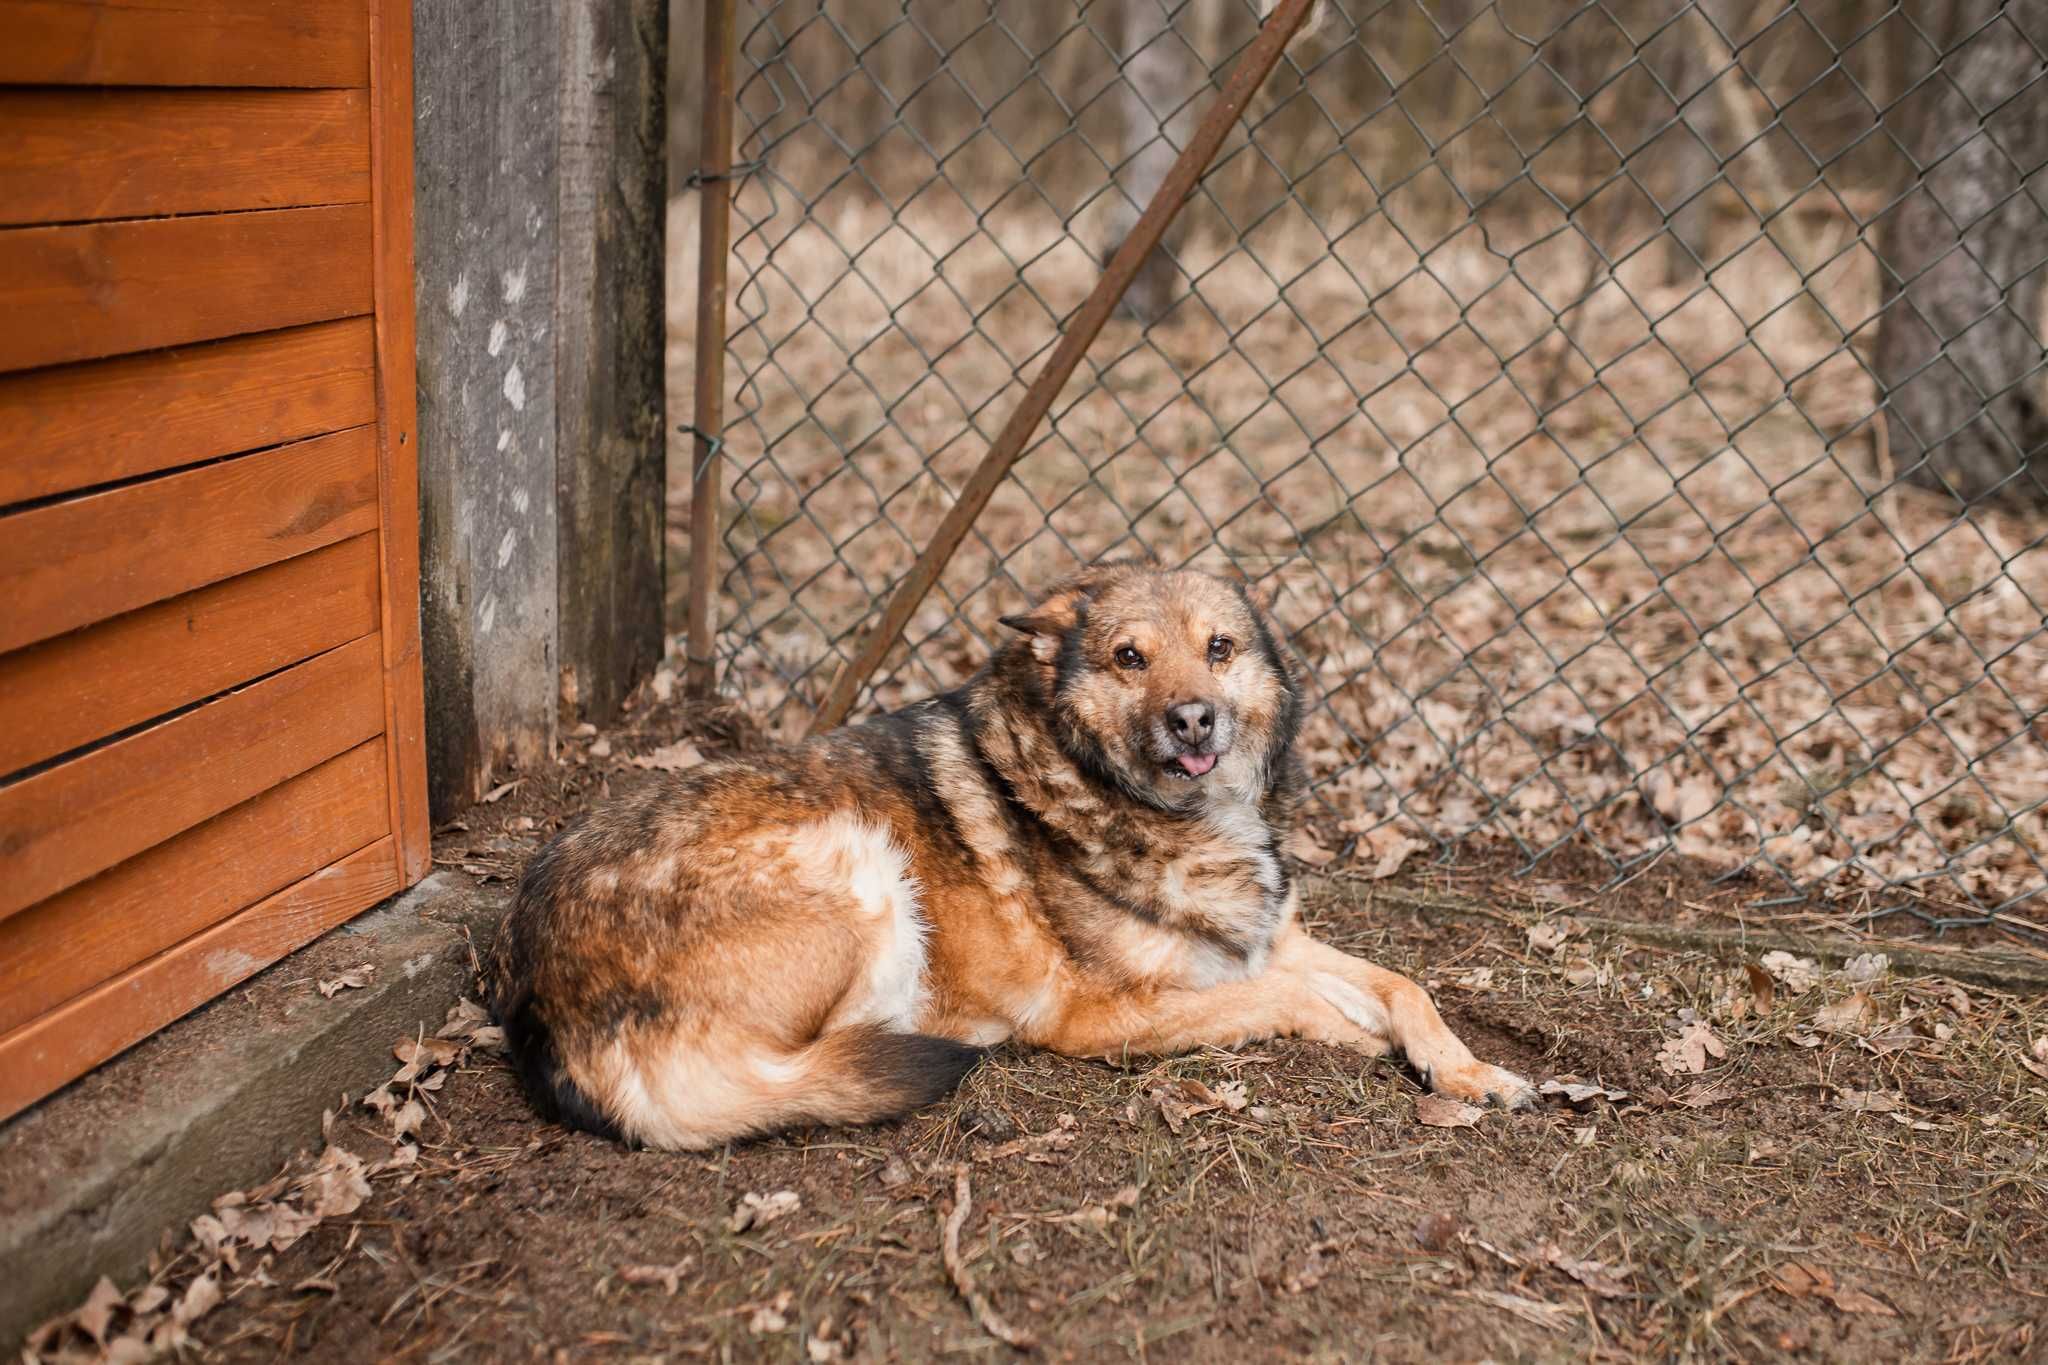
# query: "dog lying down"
(1079, 849)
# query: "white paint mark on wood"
(504, 437)
(498, 334)
(458, 295)
(521, 500)
(505, 547)
(515, 284)
(490, 614)
(515, 388)
(227, 966)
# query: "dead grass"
(1565, 553)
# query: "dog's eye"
(1127, 657)
(1220, 649)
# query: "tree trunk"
(1160, 77)
(1690, 162)
(1959, 352)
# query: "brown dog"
(1078, 849)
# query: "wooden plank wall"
(210, 687)
(541, 141)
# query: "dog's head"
(1169, 683)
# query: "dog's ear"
(1046, 624)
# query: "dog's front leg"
(1389, 1006)
(1158, 1021)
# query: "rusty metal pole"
(1245, 79)
(714, 243)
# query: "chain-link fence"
(1632, 408)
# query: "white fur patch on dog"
(1240, 824)
(845, 851)
(1351, 1002)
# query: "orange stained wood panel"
(74, 426)
(87, 558)
(48, 1051)
(97, 289)
(184, 42)
(72, 820)
(67, 692)
(60, 947)
(79, 155)
(391, 149)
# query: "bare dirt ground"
(1767, 1158)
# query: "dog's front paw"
(1478, 1083)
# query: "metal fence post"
(714, 243)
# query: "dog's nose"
(1191, 721)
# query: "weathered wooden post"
(542, 186)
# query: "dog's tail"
(865, 1074)
(679, 1089)
(531, 1045)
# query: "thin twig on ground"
(956, 1269)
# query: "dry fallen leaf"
(1577, 1091)
(421, 1055)
(1762, 988)
(408, 1118)
(337, 1186)
(1687, 1053)
(1796, 974)
(1868, 1101)
(670, 758)
(201, 1297)
(1038, 1147)
(759, 1210)
(1304, 847)
(1678, 802)
(1850, 1015)
(1441, 1111)
(1702, 1093)
(1394, 856)
(355, 978)
(773, 1316)
(669, 1277)
(98, 1311)
(1583, 972)
(1604, 1280)
(1803, 1279)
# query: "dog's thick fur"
(1078, 849)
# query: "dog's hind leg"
(1395, 1009)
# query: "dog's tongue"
(1197, 764)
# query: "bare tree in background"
(1161, 76)
(1959, 350)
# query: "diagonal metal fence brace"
(1251, 72)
